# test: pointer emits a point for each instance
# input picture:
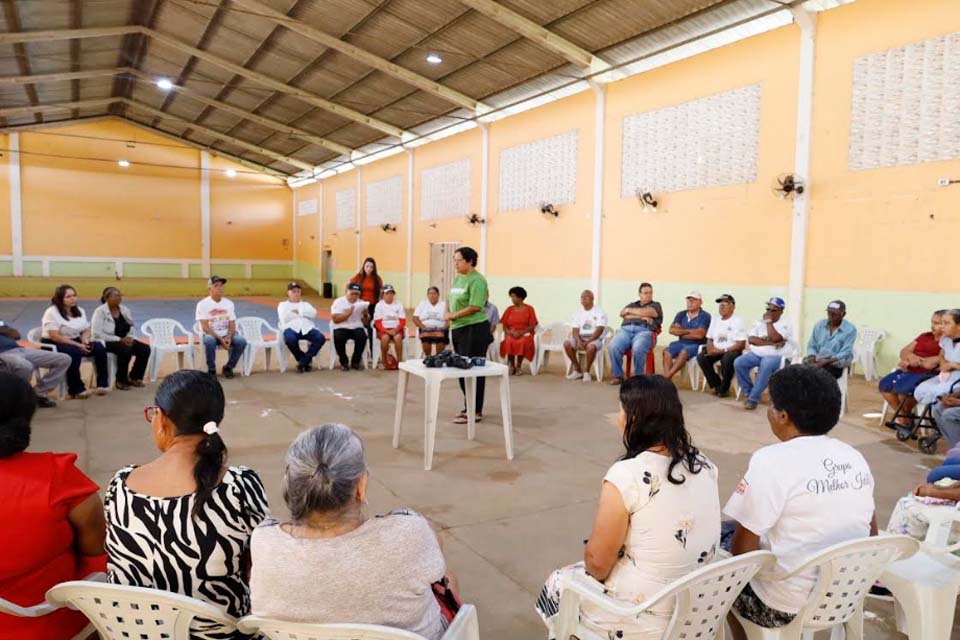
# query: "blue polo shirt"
(837, 345)
(701, 321)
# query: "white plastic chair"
(543, 347)
(925, 586)
(45, 608)
(121, 613)
(865, 351)
(693, 369)
(493, 351)
(845, 573)
(35, 336)
(844, 383)
(463, 627)
(251, 328)
(333, 361)
(783, 362)
(701, 599)
(599, 362)
(162, 333)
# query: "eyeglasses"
(773, 308)
(149, 412)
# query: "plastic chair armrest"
(937, 518)
(586, 589)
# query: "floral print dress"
(674, 529)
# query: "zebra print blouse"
(156, 542)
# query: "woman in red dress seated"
(53, 525)
(519, 325)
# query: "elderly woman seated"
(429, 318)
(929, 391)
(53, 527)
(658, 517)
(331, 563)
(918, 362)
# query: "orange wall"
(342, 242)
(388, 248)
(90, 207)
(100, 209)
(542, 235)
(452, 149)
(680, 241)
(308, 227)
(251, 215)
(881, 228)
(6, 239)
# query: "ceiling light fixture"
(434, 58)
(231, 173)
(123, 163)
(165, 83)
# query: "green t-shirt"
(468, 291)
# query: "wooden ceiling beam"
(12, 16)
(183, 47)
(362, 55)
(253, 117)
(218, 135)
(56, 106)
(37, 78)
(538, 34)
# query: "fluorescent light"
(231, 173)
(165, 83)
(123, 163)
(434, 58)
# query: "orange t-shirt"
(369, 288)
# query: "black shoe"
(227, 372)
(300, 368)
(45, 403)
(749, 405)
(722, 394)
(356, 366)
(344, 367)
(307, 367)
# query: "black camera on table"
(451, 359)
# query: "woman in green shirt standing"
(468, 321)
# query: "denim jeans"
(237, 345)
(632, 336)
(948, 420)
(292, 339)
(949, 468)
(766, 366)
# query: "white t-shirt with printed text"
(784, 328)
(297, 316)
(726, 333)
(389, 313)
(342, 305)
(802, 496)
(431, 315)
(219, 314)
(588, 321)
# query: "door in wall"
(442, 272)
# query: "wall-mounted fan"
(787, 185)
(647, 199)
(475, 219)
(388, 227)
(548, 209)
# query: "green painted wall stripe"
(32, 268)
(151, 270)
(309, 274)
(6, 268)
(228, 269)
(272, 270)
(196, 270)
(82, 269)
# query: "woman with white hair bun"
(330, 563)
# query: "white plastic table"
(432, 378)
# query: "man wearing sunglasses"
(771, 340)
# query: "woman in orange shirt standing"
(370, 287)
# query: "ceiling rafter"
(132, 46)
(243, 113)
(282, 127)
(76, 21)
(304, 71)
(213, 133)
(187, 69)
(139, 106)
(362, 55)
(256, 76)
(227, 88)
(542, 36)
(12, 16)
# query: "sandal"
(464, 419)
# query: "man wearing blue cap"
(771, 340)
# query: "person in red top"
(519, 325)
(371, 285)
(918, 362)
(53, 523)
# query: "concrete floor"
(506, 524)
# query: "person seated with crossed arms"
(390, 319)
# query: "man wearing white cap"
(831, 344)
(690, 326)
(218, 321)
